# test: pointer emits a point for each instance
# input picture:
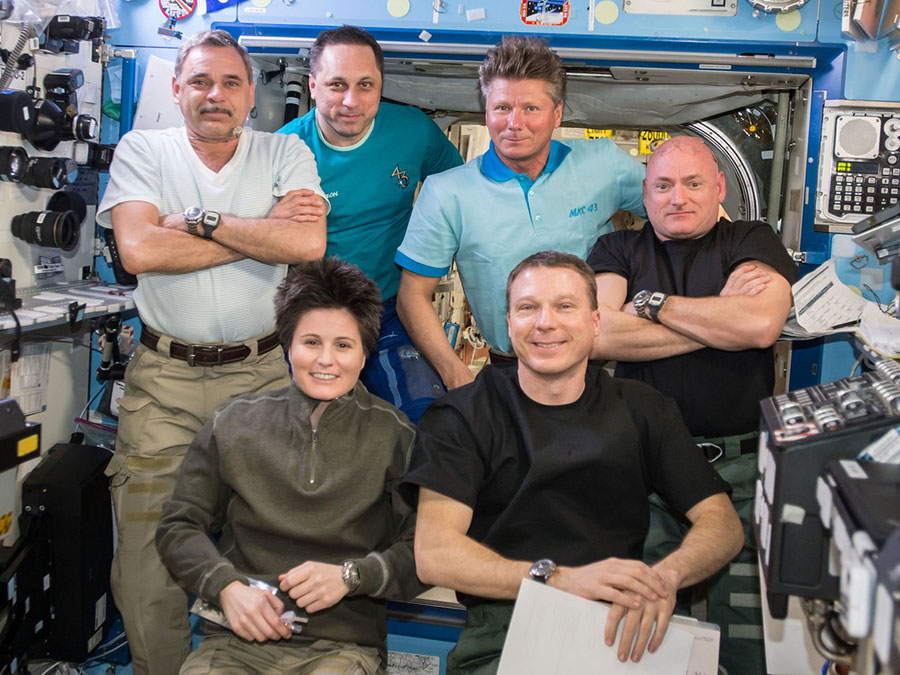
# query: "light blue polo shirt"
(490, 218)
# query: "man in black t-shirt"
(543, 469)
(691, 305)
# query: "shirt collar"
(494, 168)
(346, 148)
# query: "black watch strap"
(655, 303)
(211, 220)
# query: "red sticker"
(544, 12)
(177, 9)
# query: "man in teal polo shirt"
(527, 193)
(370, 157)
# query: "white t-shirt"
(231, 302)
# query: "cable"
(856, 364)
(55, 665)
(99, 658)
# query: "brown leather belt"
(208, 355)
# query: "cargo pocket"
(141, 480)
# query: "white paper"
(31, 377)
(556, 633)
(823, 304)
(475, 14)
(880, 330)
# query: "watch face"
(177, 9)
(542, 569)
(193, 214)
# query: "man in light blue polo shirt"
(525, 194)
(371, 156)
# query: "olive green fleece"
(279, 498)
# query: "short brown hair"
(328, 283)
(560, 260)
(523, 57)
(345, 35)
(212, 38)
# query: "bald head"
(683, 189)
(695, 149)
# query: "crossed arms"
(644, 596)
(292, 231)
(748, 313)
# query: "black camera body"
(60, 86)
(53, 124)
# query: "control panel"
(837, 405)
(859, 163)
(800, 432)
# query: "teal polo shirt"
(371, 185)
(490, 218)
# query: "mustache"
(215, 109)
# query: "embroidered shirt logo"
(582, 210)
(401, 177)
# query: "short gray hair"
(211, 38)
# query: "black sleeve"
(758, 241)
(610, 254)
(446, 458)
(677, 468)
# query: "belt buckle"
(191, 355)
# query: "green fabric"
(733, 600)
(477, 652)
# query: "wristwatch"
(196, 216)
(350, 575)
(192, 218)
(210, 223)
(542, 570)
(655, 303)
(639, 302)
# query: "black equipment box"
(799, 432)
(66, 507)
(859, 502)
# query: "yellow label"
(650, 139)
(27, 445)
(5, 523)
(597, 133)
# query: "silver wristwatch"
(639, 302)
(542, 570)
(192, 218)
(350, 575)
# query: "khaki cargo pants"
(230, 655)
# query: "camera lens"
(50, 172)
(84, 128)
(16, 111)
(66, 200)
(293, 90)
(54, 229)
(13, 164)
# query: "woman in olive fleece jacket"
(283, 498)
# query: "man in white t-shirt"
(208, 216)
